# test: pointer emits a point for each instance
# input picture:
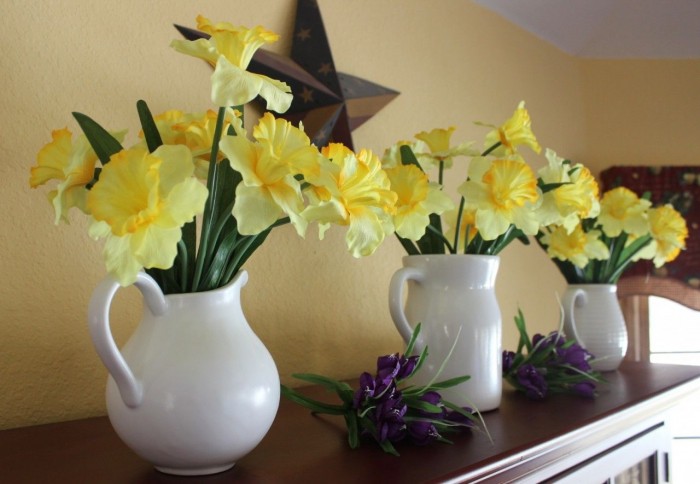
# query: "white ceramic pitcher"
(453, 297)
(194, 389)
(593, 317)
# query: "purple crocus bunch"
(386, 408)
(552, 364)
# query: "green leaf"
(524, 338)
(104, 144)
(408, 157)
(148, 125)
(189, 237)
(344, 391)
(408, 245)
(218, 265)
(432, 242)
(450, 382)
(353, 432)
(311, 404)
(412, 341)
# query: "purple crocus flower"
(532, 381)
(422, 432)
(388, 418)
(366, 390)
(396, 367)
(460, 419)
(508, 358)
(575, 356)
(584, 389)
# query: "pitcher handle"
(577, 298)
(396, 309)
(130, 388)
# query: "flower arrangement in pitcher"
(501, 198)
(144, 200)
(386, 408)
(624, 229)
(549, 364)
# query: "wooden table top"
(301, 447)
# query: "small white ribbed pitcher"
(593, 317)
(454, 299)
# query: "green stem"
(458, 227)
(491, 148)
(210, 209)
(442, 237)
(184, 263)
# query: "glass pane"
(640, 473)
(676, 358)
(673, 327)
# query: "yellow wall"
(315, 307)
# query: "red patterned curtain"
(679, 186)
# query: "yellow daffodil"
(392, 155)
(622, 210)
(417, 199)
(575, 246)
(669, 231)
(230, 49)
(70, 162)
(196, 131)
(140, 204)
(468, 221)
(438, 142)
(503, 192)
(571, 202)
(355, 193)
(290, 145)
(514, 132)
(269, 189)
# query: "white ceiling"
(617, 29)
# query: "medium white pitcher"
(194, 389)
(592, 316)
(453, 297)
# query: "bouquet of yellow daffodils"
(501, 199)
(623, 229)
(145, 199)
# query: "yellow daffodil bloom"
(503, 192)
(356, 193)
(569, 203)
(392, 155)
(230, 50)
(140, 204)
(468, 221)
(622, 210)
(575, 246)
(514, 132)
(267, 165)
(438, 142)
(417, 199)
(669, 231)
(70, 162)
(196, 131)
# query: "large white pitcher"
(592, 316)
(453, 297)
(194, 389)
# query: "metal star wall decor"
(330, 104)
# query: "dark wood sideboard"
(534, 441)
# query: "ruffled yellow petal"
(139, 205)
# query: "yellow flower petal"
(139, 205)
(622, 210)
